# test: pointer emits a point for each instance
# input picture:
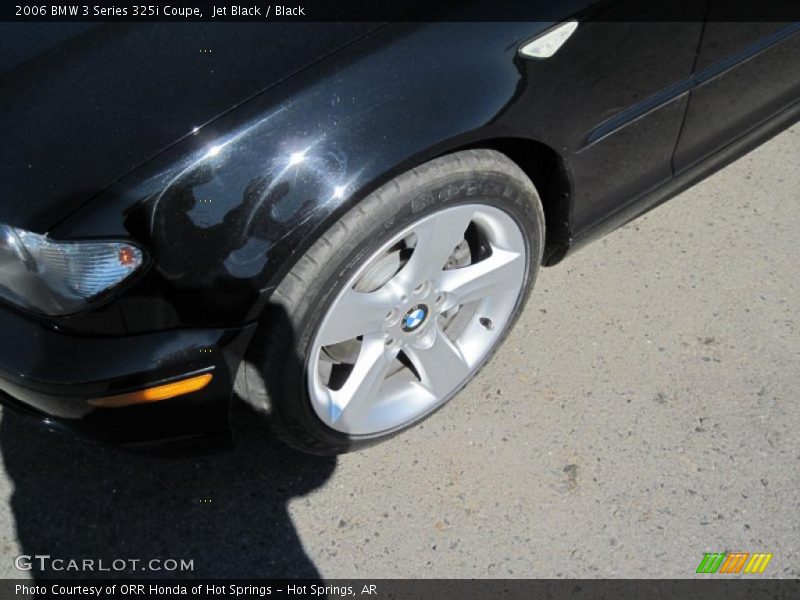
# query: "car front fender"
(225, 212)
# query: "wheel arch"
(548, 172)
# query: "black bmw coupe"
(336, 222)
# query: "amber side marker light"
(154, 394)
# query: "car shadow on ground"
(226, 511)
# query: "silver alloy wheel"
(414, 322)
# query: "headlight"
(58, 278)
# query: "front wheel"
(398, 305)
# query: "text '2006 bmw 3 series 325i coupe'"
(339, 226)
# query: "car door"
(746, 72)
(612, 101)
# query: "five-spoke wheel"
(400, 339)
(398, 304)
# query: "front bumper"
(50, 374)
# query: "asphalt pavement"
(643, 412)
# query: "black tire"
(272, 377)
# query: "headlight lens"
(58, 278)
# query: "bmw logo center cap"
(414, 317)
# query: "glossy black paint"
(49, 373)
(226, 171)
(105, 98)
(762, 78)
(223, 212)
